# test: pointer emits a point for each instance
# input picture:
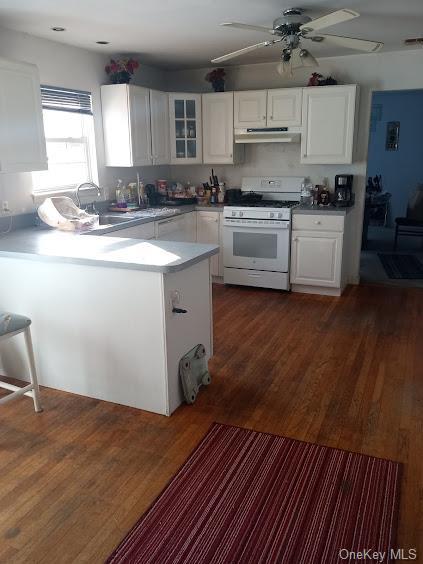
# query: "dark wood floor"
(345, 372)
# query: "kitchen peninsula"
(111, 316)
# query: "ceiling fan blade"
(330, 19)
(249, 27)
(352, 43)
(244, 50)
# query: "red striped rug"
(249, 497)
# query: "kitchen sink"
(113, 219)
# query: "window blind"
(64, 100)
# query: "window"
(69, 130)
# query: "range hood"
(268, 135)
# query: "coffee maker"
(343, 190)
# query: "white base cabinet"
(22, 140)
(143, 231)
(179, 228)
(318, 264)
(316, 258)
(209, 232)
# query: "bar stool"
(12, 324)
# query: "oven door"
(256, 245)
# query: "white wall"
(71, 67)
(379, 71)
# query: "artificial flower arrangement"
(217, 79)
(120, 71)
(317, 79)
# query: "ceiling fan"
(292, 28)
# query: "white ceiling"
(185, 33)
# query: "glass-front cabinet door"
(185, 128)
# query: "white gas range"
(257, 232)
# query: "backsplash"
(263, 159)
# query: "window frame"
(87, 140)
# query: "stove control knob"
(233, 214)
(280, 214)
(271, 214)
(241, 214)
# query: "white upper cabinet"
(126, 125)
(284, 107)
(218, 129)
(328, 124)
(250, 108)
(22, 140)
(159, 109)
(139, 119)
(185, 128)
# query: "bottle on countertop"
(132, 193)
(120, 194)
(221, 194)
(127, 193)
(324, 194)
(213, 196)
(306, 194)
(143, 198)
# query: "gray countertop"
(321, 210)
(114, 252)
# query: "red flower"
(128, 65)
(216, 74)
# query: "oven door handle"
(276, 226)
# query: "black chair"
(412, 224)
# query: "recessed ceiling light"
(102, 42)
(58, 28)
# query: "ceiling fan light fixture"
(284, 68)
(307, 58)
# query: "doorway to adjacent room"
(392, 243)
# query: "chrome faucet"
(87, 186)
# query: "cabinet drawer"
(318, 222)
(259, 278)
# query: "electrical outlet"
(5, 206)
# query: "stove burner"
(264, 204)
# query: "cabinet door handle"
(317, 222)
(264, 117)
(271, 117)
(179, 310)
